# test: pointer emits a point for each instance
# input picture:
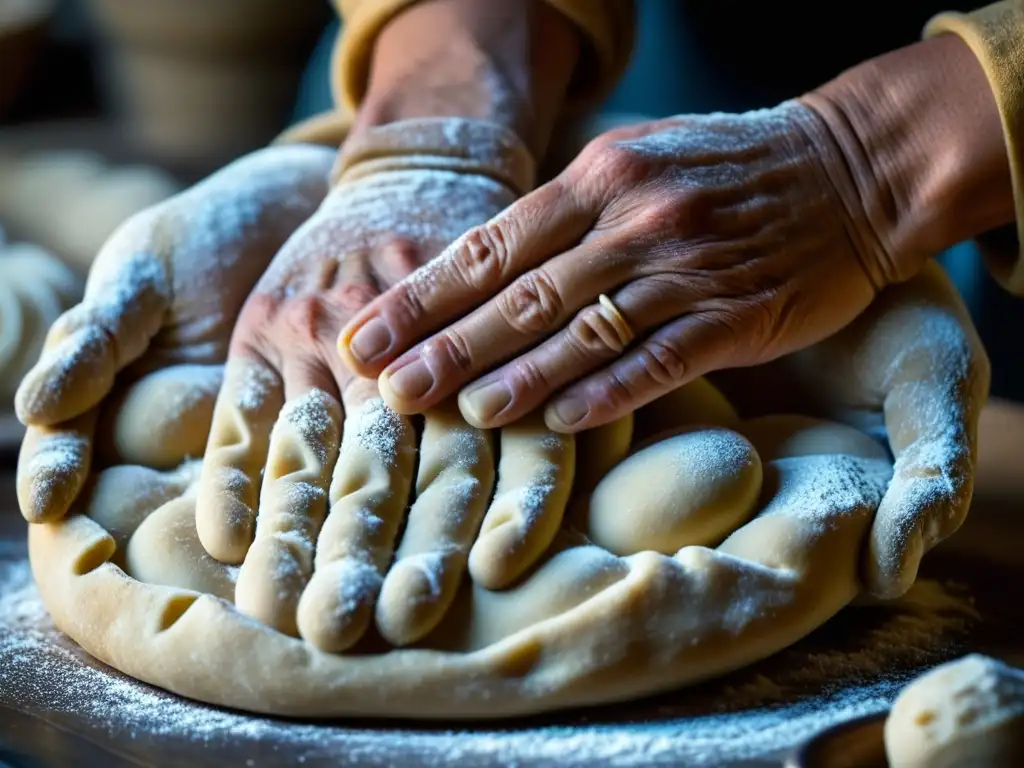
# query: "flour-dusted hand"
(673, 248)
(307, 476)
(166, 289)
(912, 368)
(719, 239)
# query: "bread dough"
(969, 712)
(695, 487)
(162, 417)
(35, 288)
(126, 577)
(92, 197)
(784, 435)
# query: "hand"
(912, 367)
(307, 476)
(722, 239)
(165, 289)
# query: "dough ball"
(166, 550)
(43, 287)
(121, 497)
(968, 712)
(118, 194)
(698, 403)
(11, 323)
(692, 488)
(163, 418)
(790, 435)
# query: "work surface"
(58, 707)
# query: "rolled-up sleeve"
(995, 34)
(607, 26)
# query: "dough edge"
(625, 642)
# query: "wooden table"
(986, 556)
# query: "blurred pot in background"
(22, 32)
(200, 82)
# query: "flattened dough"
(583, 627)
(968, 712)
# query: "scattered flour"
(380, 430)
(854, 666)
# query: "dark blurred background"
(109, 106)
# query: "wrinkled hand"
(723, 240)
(165, 290)
(307, 476)
(911, 367)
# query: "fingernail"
(482, 402)
(370, 341)
(412, 381)
(569, 410)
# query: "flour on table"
(852, 667)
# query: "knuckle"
(611, 394)
(453, 347)
(664, 364)
(409, 304)
(532, 303)
(594, 334)
(527, 377)
(306, 316)
(352, 297)
(620, 162)
(481, 259)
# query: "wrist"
(923, 139)
(507, 63)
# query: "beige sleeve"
(996, 35)
(607, 26)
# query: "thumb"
(933, 430)
(123, 309)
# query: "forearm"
(509, 62)
(926, 142)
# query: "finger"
(535, 475)
(454, 484)
(53, 466)
(293, 501)
(932, 424)
(467, 273)
(368, 496)
(597, 334)
(236, 453)
(670, 357)
(122, 310)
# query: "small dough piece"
(787, 435)
(693, 488)
(698, 403)
(535, 475)
(163, 418)
(121, 497)
(968, 713)
(165, 549)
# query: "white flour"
(853, 667)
